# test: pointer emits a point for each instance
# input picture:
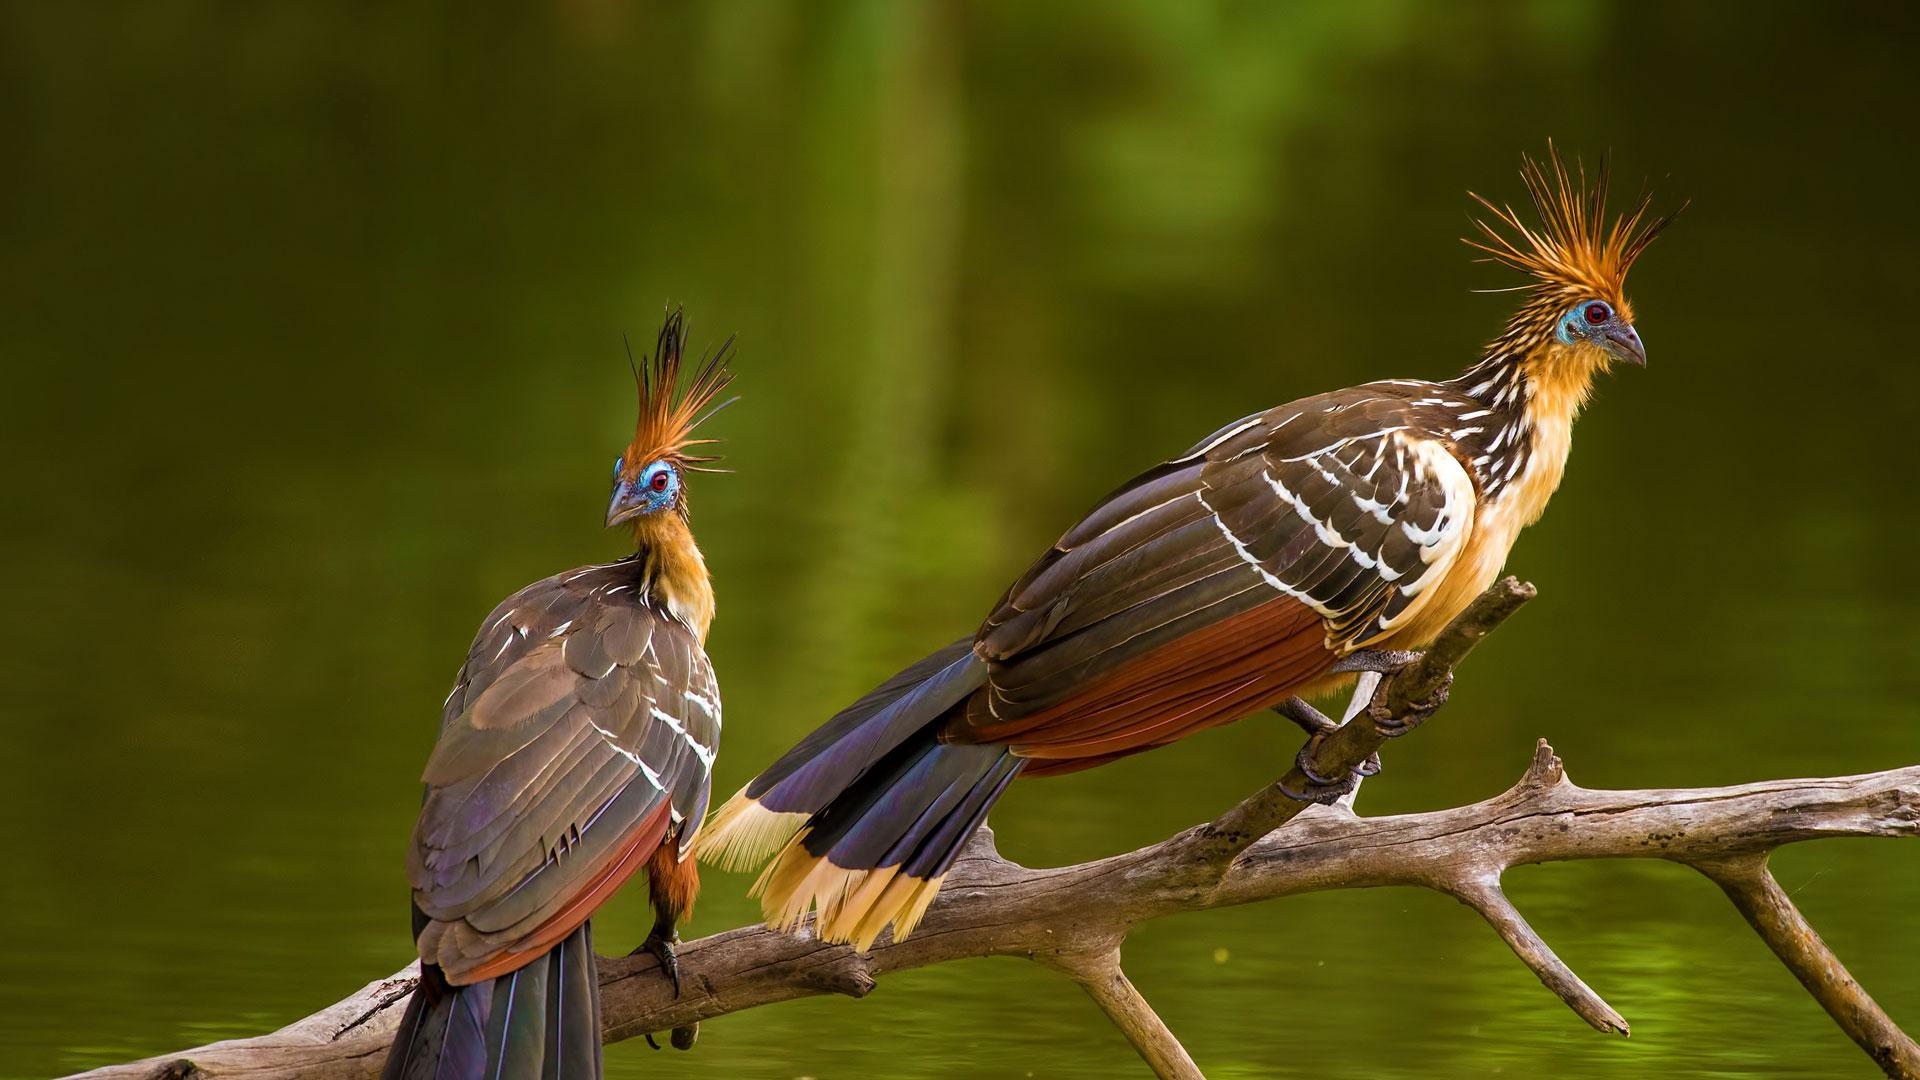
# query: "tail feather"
(926, 856)
(573, 1008)
(937, 854)
(877, 854)
(864, 817)
(461, 1045)
(764, 815)
(541, 1020)
(742, 833)
(516, 1027)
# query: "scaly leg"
(660, 942)
(660, 945)
(1310, 720)
(1318, 726)
(1381, 662)
(672, 883)
(1378, 661)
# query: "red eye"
(659, 481)
(1598, 313)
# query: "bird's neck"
(675, 571)
(1531, 392)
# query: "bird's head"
(1576, 317)
(649, 479)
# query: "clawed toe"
(681, 1039)
(661, 948)
(1393, 726)
(1318, 788)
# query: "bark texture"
(1074, 919)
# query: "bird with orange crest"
(575, 750)
(1284, 556)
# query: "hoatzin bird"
(575, 749)
(1271, 562)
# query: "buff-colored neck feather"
(676, 571)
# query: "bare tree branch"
(1403, 700)
(1484, 895)
(1074, 918)
(1109, 987)
(1752, 888)
(994, 907)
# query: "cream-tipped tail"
(743, 834)
(854, 906)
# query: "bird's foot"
(1319, 788)
(660, 945)
(681, 1039)
(1317, 725)
(1393, 726)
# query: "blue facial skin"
(657, 488)
(1575, 327)
(661, 485)
(1608, 331)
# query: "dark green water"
(311, 316)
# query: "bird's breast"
(1497, 523)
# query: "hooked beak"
(628, 503)
(1624, 343)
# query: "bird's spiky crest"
(1574, 249)
(669, 414)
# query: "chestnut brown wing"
(1332, 512)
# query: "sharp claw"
(1371, 663)
(1319, 789)
(1314, 793)
(1393, 726)
(660, 947)
(1304, 762)
(669, 963)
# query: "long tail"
(542, 1020)
(867, 814)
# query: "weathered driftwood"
(1074, 918)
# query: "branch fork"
(1074, 919)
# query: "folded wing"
(1214, 584)
(579, 738)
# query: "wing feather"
(583, 718)
(1336, 506)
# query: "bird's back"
(578, 739)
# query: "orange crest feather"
(668, 413)
(1574, 249)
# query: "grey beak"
(628, 503)
(1625, 344)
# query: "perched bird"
(1268, 563)
(575, 749)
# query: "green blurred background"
(311, 320)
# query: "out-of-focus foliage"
(311, 316)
